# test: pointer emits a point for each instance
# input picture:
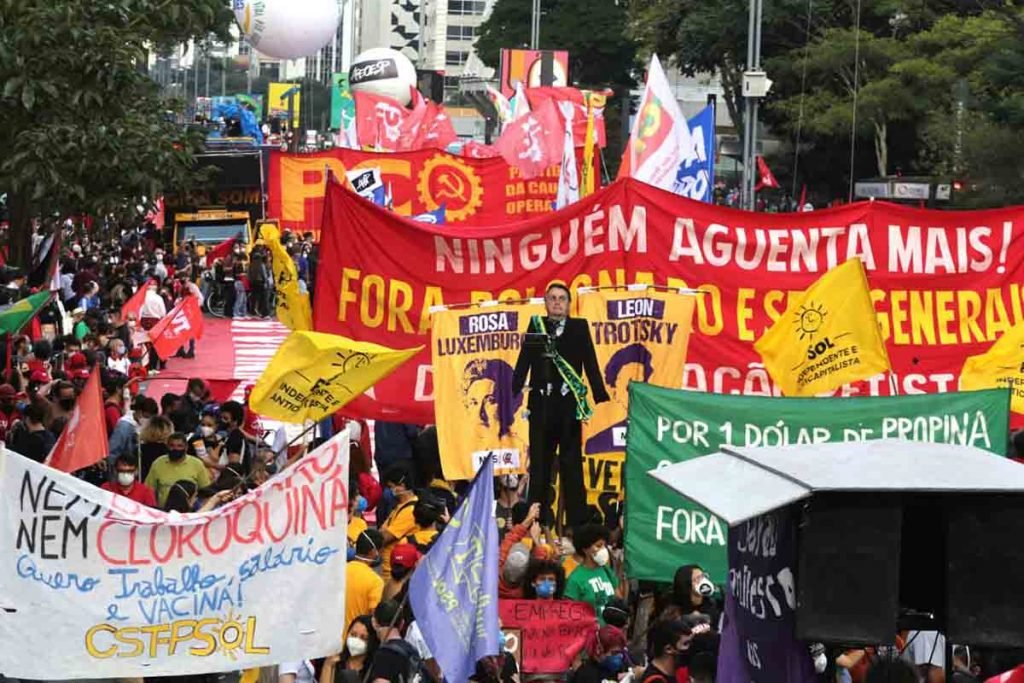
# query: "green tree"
(84, 128)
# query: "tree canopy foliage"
(939, 84)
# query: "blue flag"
(454, 588)
(436, 217)
(696, 178)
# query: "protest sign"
(944, 284)
(474, 352)
(666, 426)
(759, 644)
(551, 631)
(641, 335)
(95, 585)
(473, 191)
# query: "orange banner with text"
(473, 191)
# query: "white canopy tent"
(739, 483)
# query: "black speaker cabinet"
(871, 564)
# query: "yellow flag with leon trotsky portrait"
(827, 337)
(1002, 367)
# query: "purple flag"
(454, 589)
(758, 642)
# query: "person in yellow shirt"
(427, 512)
(400, 523)
(356, 523)
(363, 587)
(175, 466)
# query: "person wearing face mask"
(124, 440)
(360, 647)
(126, 483)
(692, 591)
(118, 360)
(363, 587)
(174, 467)
(544, 580)
(593, 582)
(401, 522)
(507, 495)
(605, 657)
(206, 445)
(667, 640)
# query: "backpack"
(416, 670)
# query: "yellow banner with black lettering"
(640, 334)
(474, 352)
(827, 337)
(1002, 366)
(293, 309)
(314, 374)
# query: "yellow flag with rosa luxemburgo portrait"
(314, 374)
(827, 337)
(1002, 367)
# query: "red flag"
(415, 122)
(476, 150)
(537, 97)
(84, 439)
(379, 121)
(220, 251)
(134, 303)
(438, 131)
(765, 177)
(184, 322)
(533, 143)
(803, 198)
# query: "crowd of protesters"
(190, 453)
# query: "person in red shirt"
(113, 400)
(9, 415)
(126, 483)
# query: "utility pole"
(535, 26)
(755, 86)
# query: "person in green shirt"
(79, 327)
(176, 466)
(593, 581)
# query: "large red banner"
(473, 191)
(945, 283)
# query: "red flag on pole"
(220, 251)
(437, 131)
(534, 142)
(803, 198)
(184, 322)
(134, 303)
(84, 439)
(379, 121)
(765, 177)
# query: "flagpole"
(893, 384)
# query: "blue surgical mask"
(360, 504)
(546, 589)
(351, 554)
(613, 663)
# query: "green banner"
(665, 530)
(343, 107)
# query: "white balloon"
(287, 29)
(383, 71)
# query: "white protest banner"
(94, 585)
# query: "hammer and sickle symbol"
(453, 186)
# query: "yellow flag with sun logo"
(1002, 366)
(827, 337)
(313, 375)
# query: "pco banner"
(473, 352)
(93, 585)
(640, 334)
(666, 426)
